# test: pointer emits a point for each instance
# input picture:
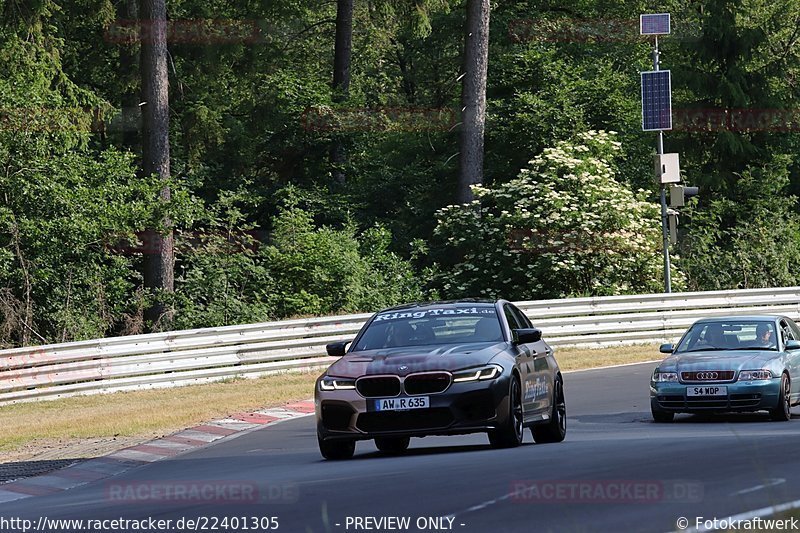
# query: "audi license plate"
(707, 390)
(402, 404)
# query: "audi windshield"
(729, 335)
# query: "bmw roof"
(465, 301)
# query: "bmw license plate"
(707, 390)
(402, 404)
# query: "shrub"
(566, 226)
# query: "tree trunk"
(128, 10)
(406, 64)
(160, 254)
(341, 76)
(473, 98)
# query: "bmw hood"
(411, 359)
(718, 360)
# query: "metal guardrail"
(211, 354)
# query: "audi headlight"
(329, 384)
(664, 377)
(754, 375)
(478, 374)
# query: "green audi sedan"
(724, 364)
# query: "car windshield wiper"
(758, 348)
(709, 349)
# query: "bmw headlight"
(478, 374)
(754, 375)
(664, 377)
(329, 384)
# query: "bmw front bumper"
(468, 407)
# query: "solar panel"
(656, 100)
(656, 24)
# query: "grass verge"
(99, 424)
(582, 358)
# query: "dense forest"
(261, 159)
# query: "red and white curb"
(184, 441)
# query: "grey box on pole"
(673, 228)
(667, 168)
(676, 196)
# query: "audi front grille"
(707, 376)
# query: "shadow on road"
(612, 418)
(431, 450)
(680, 418)
(22, 469)
(724, 418)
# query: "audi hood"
(719, 360)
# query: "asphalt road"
(616, 471)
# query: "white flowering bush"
(564, 227)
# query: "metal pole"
(664, 214)
(665, 235)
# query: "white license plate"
(402, 404)
(707, 390)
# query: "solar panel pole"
(657, 116)
(664, 214)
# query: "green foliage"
(559, 70)
(227, 274)
(61, 220)
(262, 232)
(219, 276)
(326, 270)
(64, 205)
(749, 240)
(564, 227)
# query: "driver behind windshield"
(764, 336)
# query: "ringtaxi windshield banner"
(436, 312)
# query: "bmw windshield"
(434, 325)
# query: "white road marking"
(749, 515)
(769, 483)
(478, 507)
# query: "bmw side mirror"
(793, 345)
(526, 335)
(337, 349)
(666, 348)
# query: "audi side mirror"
(793, 345)
(666, 348)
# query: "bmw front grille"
(413, 384)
